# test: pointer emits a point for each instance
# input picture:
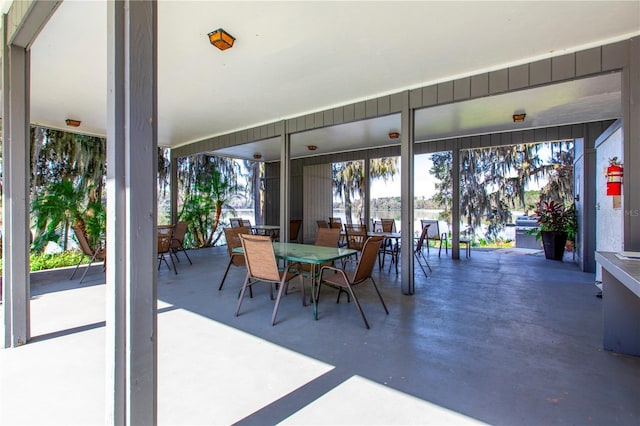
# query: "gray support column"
(285, 181)
(630, 114)
(131, 358)
(366, 210)
(455, 202)
(6, 191)
(16, 194)
(173, 187)
(406, 191)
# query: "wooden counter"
(621, 303)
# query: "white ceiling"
(293, 58)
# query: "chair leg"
(75, 270)
(93, 258)
(173, 263)
(275, 308)
(224, 277)
(355, 299)
(379, 295)
(241, 296)
(185, 253)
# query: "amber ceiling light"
(394, 135)
(519, 118)
(257, 156)
(72, 123)
(221, 39)
(312, 147)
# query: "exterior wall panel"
(563, 67)
(540, 72)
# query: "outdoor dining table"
(311, 254)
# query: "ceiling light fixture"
(221, 39)
(394, 135)
(72, 123)
(519, 118)
(312, 147)
(257, 156)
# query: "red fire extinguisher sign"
(614, 177)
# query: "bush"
(39, 262)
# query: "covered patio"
(508, 339)
(496, 341)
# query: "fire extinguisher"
(614, 177)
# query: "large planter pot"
(553, 243)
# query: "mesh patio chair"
(418, 250)
(356, 235)
(326, 237)
(390, 246)
(232, 235)
(235, 222)
(346, 281)
(96, 254)
(434, 234)
(262, 266)
(322, 224)
(294, 229)
(177, 238)
(164, 246)
(335, 222)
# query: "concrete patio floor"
(498, 338)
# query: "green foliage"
(349, 181)
(42, 261)
(554, 216)
(202, 208)
(492, 180)
(54, 210)
(94, 218)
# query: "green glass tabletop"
(307, 253)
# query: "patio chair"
(418, 250)
(335, 222)
(177, 238)
(389, 246)
(434, 234)
(262, 266)
(326, 237)
(235, 222)
(356, 236)
(247, 223)
(98, 253)
(232, 235)
(294, 229)
(346, 281)
(322, 224)
(465, 238)
(164, 246)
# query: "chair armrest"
(334, 269)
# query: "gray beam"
(26, 20)
(132, 213)
(406, 191)
(16, 231)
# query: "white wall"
(317, 198)
(609, 220)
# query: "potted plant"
(556, 223)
